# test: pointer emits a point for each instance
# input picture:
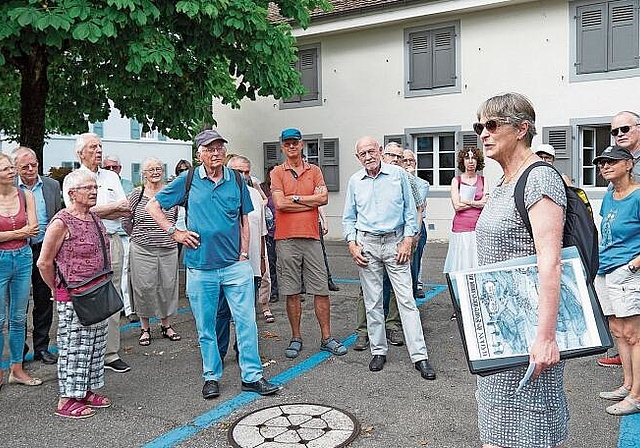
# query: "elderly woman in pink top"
(468, 196)
(72, 240)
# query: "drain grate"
(294, 425)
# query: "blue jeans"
(203, 289)
(15, 279)
(223, 321)
(416, 259)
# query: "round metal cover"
(294, 425)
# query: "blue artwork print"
(606, 227)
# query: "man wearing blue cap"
(298, 189)
(216, 255)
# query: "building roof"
(348, 7)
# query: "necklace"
(506, 181)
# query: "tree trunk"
(33, 98)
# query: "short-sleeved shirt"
(258, 229)
(619, 229)
(213, 213)
(299, 224)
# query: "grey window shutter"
(309, 73)
(162, 137)
(444, 61)
(136, 178)
(623, 35)
(420, 57)
(467, 138)
(330, 163)
(135, 129)
(561, 139)
(591, 38)
(98, 129)
(271, 154)
(294, 98)
(398, 138)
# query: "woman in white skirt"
(468, 196)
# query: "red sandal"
(94, 400)
(74, 409)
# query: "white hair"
(81, 142)
(113, 158)
(21, 150)
(76, 178)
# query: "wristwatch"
(632, 268)
(171, 230)
(244, 254)
(296, 199)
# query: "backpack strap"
(187, 187)
(135, 206)
(518, 194)
(239, 182)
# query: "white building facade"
(416, 72)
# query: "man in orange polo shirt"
(298, 189)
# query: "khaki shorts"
(301, 259)
(619, 292)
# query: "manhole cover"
(294, 425)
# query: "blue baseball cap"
(291, 133)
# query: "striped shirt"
(146, 231)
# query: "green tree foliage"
(159, 61)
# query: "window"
(72, 165)
(136, 177)
(592, 139)
(98, 129)
(435, 157)
(135, 129)
(431, 60)
(606, 36)
(323, 152)
(308, 65)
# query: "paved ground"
(159, 404)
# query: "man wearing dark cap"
(298, 189)
(216, 254)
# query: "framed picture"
(497, 313)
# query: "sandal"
(75, 409)
(145, 337)
(268, 316)
(294, 348)
(94, 400)
(334, 347)
(625, 407)
(173, 336)
(616, 395)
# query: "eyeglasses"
(26, 166)
(370, 152)
(621, 130)
(182, 170)
(4, 169)
(411, 161)
(604, 162)
(392, 155)
(491, 125)
(86, 187)
(291, 144)
(111, 167)
(154, 170)
(212, 149)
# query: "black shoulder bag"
(99, 301)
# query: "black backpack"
(579, 229)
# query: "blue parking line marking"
(629, 434)
(204, 421)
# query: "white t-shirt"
(257, 229)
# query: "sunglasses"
(621, 130)
(604, 162)
(111, 167)
(490, 125)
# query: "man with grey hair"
(112, 204)
(216, 246)
(46, 193)
(112, 162)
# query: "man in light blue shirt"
(379, 222)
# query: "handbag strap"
(105, 269)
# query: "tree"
(159, 61)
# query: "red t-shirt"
(297, 224)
